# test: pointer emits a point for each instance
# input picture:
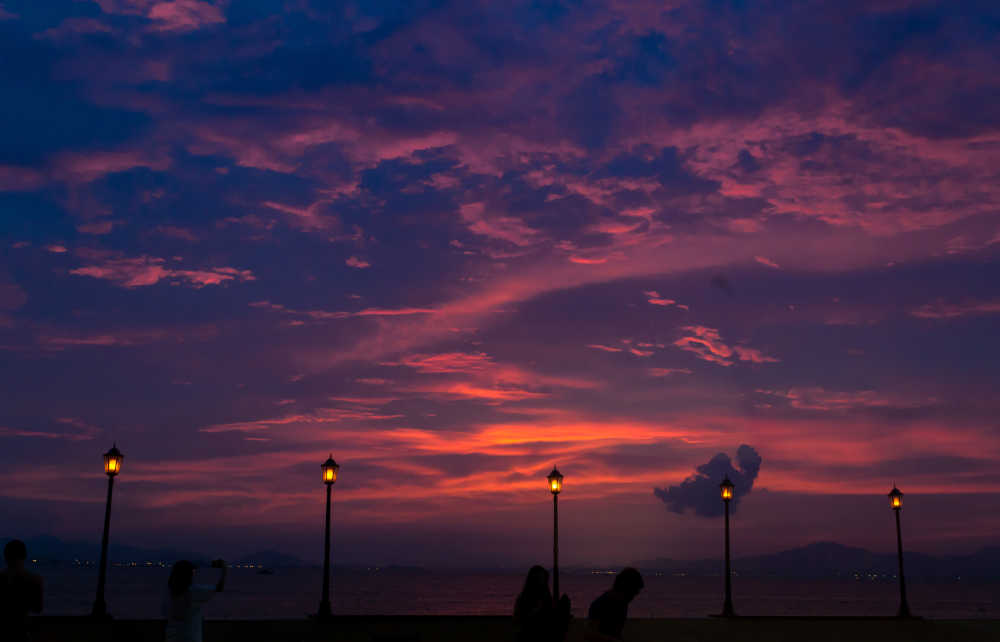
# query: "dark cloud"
(721, 282)
(40, 116)
(700, 492)
(518, 177)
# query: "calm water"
(136, 593)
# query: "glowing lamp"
(895, 498)
(113, 461)
(330, 469)
(727, 489)
(555, 481)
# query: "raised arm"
(222, 577)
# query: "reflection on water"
(294, 592)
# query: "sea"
(137, 592)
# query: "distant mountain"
(829, 559)
(48, 549)
(270, 559)
(821, 559)
(52, 550)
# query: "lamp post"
(727, 488)
(330, 469)
(555, 485)
(896, 503)
(112, 466)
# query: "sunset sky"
(454, 244)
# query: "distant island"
(46, 550)
(829, 559)
(817, 560)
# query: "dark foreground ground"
(480, 628)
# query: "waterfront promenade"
(497, 628)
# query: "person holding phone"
(20, 593)
(182, 605)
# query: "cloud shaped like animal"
(700, 492)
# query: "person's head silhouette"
(629, 583)
(181, 577)
(14, 554)
(538, 579)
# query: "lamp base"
(100, 611)
(727, 610)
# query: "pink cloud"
(587, 261)
(654, 298)
(943, 310)
(184, 15)
(16, 179)
(324, 315)
(598, 346)
(707, 344)
(499, 227)
(103, 340)
(355, 262)
(97, 228)
(127, 7)
(753, 355)
(318, 416)
(74, 26)
(12, 296)
(75, 167)
(313, 217)
(818, 398)
(447, 362)
(56, 340)
(69, 428)
(481, 378)
(392, 312)
(362, 401)
(56, 249)
(144, 271)
(665, 372)
(490, 394)
(174, 232)
(763, 260)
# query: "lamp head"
(727, 489)
(330, 469)
(555, 481)
(113, 461)
(895, 498)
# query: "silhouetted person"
(536, 619)
(608, 612)
(20, 593)
(184, 600)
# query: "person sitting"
(608, 612)
(184, 600)
(20, 593)
(536, 618)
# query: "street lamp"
(330, 469)
(112, 466)
(555, 486)
(727, 488)
(896, 503)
